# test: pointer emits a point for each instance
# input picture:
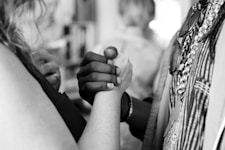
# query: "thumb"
(110, 52)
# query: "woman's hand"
(45, 63)
(126, 71)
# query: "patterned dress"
(191, 79)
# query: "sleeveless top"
(70, 114)
(191, 80)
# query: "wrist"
(104, 96)
(111, 93)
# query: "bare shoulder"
(16, 82)
(13, 72)
(26, 112)
(9, 64)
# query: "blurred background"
(70, 28)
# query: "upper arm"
(28, 119)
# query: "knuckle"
(89, 77)
(46, 66)
(88, 86)
(114, 79)
(93, 65)
(101, 87)
(50, 65)
(53, 63)
(113, 69)
(51, 79)
(88, 55)
(92, 77)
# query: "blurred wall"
(65, 11)
(106, 20)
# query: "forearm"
(139, 117)
(102, 129)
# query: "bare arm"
(103, 125)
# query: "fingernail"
(118, 71)
(111, 52)
(118, 80)
(110, 62)
(110, 85)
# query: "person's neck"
(134, 31)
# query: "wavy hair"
(10, 12)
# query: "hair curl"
(10, 11)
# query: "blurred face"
(137, 15)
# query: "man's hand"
(97, 74)
(45, 63)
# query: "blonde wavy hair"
(10, 12)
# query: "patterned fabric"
(195, 94)
(187, 132)
(189, 92)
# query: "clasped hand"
(98, 72)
